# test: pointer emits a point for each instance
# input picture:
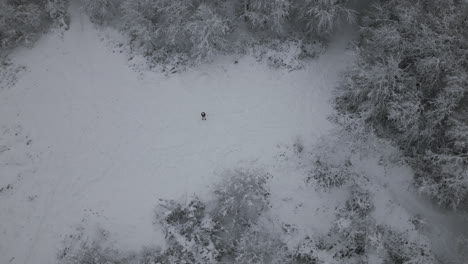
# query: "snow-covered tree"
(411, 84)
(207, 32)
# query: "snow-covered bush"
(288, 54)
(324, 16)
(348, 240)
(101, 11)
(354, 225)
(327, 174)
(267, 14)
(57, 11)
(334, 156)
(356, 238)
(298, 145)
(308, 251)
(240, 200)
(80, 249)
(222, 230)
(259, 245)
(189, 233)
(22, 22)
(8, 73)
(410, 84)
(397, 247)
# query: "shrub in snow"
(224, 232)
(312, 251)
(356, 238)
(287, 54)
(189, 232)
(354, 226)
(57, 11)
(240, 200)
(324, 16)
(298, 146)
(22, 22)
(267, 14)
(334, 155)
(79, 249)
(8, 73)
(401, 248)
(327, 174)
(360, 203)
(348, 240)
(258, 245)
(410, 84)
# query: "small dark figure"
(203, 116)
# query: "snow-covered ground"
(86, 140)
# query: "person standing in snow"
(203, 116)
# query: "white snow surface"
(87, 140)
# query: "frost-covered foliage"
(287, 54)
(190, 232)
(334, 155)
(19, 23)
(240, 200)
(328, 174)
(23, 21)
(267, 14)
(229, 229)
(57, 11)
(225, 230)
(397, 247)
(348, 241)
(235, 228)
(322, 17)
(78, 248)
(353, 227)
(259, 245)
(163, 28)
(194, 31)
(9, 73)
(410, 83)
(207, 31)
(356, 238)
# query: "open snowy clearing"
(88, 140)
